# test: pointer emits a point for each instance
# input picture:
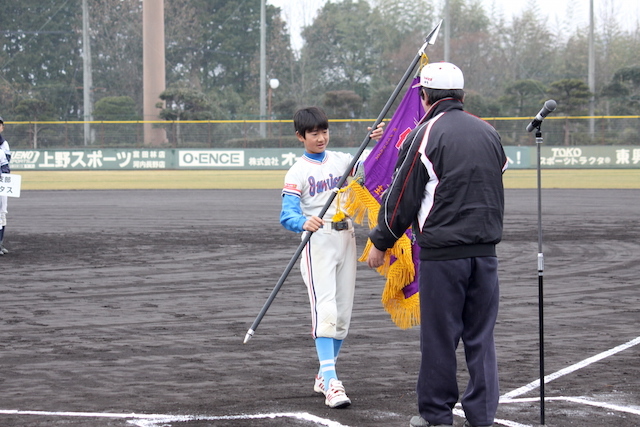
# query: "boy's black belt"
(340, 225)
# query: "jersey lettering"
(322, 185)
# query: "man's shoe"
(468, 424)
(318, 385)
(418, 421)
(335, 396)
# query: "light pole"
(263, 65)
(591, 71)
(273, 84)
(87, 84)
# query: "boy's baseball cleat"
(335, 397)
(318, 385)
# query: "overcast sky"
(299, 13)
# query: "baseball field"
(238, 179)
(126, 297)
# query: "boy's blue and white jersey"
(310, 180)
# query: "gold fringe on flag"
(405, 312)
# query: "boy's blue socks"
(326, 355)
(337, 344)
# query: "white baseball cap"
(441, 75)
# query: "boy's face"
(315, 141)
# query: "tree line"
(354, 53)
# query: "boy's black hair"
(309, 119)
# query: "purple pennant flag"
(380, 164)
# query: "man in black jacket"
(448, 185)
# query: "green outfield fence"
(568, 142)
(222, 134)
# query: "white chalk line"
(153, 420)
(510, 397)
(581, 400)
(459, 412)
(586, 362)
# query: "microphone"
(548, 107)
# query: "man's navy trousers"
(458, 300)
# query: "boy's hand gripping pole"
(429, 40)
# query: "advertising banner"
(582, 157)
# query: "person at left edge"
(328, 262)
(5, 158)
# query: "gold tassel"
(339, 215)
(404, 312)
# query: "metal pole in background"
(430, 39)
(447, 31)
(263, 68)
(87, 83)
(592, 71)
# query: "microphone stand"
(549, 106)
(540, 276)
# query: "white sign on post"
(10, 185)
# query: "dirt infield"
(117, 305)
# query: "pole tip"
(248, 336)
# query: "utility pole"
(153, 67)
(263, 67)
(87, 83)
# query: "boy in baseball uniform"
(328, 262)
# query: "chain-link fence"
(559, 131)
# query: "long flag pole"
(430, 39)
